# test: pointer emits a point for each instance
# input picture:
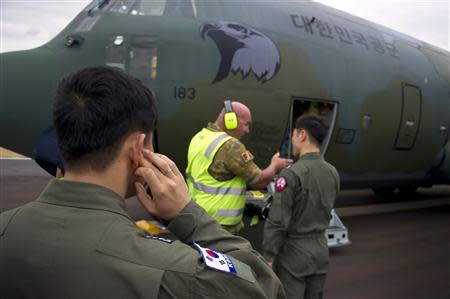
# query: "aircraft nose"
(28, 82)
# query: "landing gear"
(384, 191)
(408, 190)
(389, 191)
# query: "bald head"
(244, 116)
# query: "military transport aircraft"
(385, 96)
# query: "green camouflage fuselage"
(391, 91)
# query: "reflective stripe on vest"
(230, 213)
(215, 190)
(213, 145)
(223, 200)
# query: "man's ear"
(303, 135)
(137, 146)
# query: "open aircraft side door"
(325, 110)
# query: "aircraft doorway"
(137, 54)
(325, 110)
(410, 118)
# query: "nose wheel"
(384, 191)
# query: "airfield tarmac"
(400, 245)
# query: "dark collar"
(311, 156)
(82, 195)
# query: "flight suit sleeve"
(338, 180)
(239, 161)
(280, 213)
(254, 279)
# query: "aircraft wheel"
(408, 189)
(384, 191)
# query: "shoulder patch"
(247, 156)
(216, 260)
(281, 184)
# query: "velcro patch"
(162, 239)
(247, 156)
(216, 260)
(281, 184)
(150, 237)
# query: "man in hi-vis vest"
(220, 167)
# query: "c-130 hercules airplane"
(385, 96)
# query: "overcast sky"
(27, 24)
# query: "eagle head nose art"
(243, 50)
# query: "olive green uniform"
(294, 233)
(233, 159)
(77, 241)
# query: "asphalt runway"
(402, 253)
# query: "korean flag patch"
(216, 260)
(281, 184)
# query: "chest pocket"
(143, 261)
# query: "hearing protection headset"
(230, 118)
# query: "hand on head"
(169, 192)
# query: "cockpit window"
(93, 13)
(180, 8)
(169, 8)
(123, 6)
(96, 6)
(150, 8)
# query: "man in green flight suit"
(77, 240)
(300, 212)
(220, 167)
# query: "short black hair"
(313, 125)
(95, 109)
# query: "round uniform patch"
(281, 184)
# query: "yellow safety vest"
(224, 201)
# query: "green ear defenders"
(230, 118)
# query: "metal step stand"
(337, 233)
